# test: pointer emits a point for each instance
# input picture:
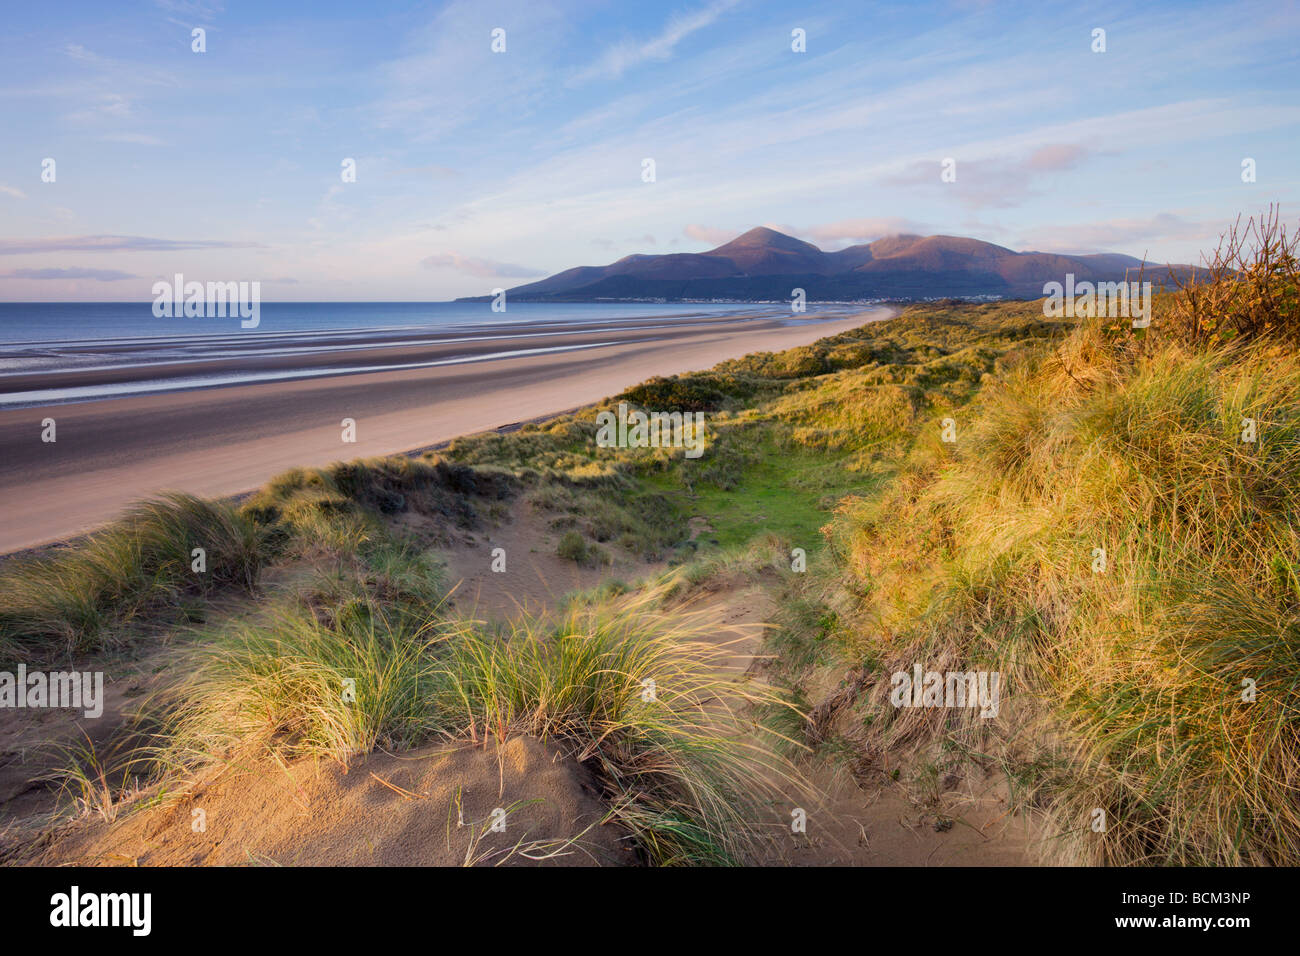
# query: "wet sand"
(226, 440)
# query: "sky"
(478, 169)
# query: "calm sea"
(53, 336)
(49, 338)
(46, 322)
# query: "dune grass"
(1115, 531)
(337, 509)
(630, 691)
(144, 567)
(361, 653)
(304, 685)
(643, 698)
(75, 599)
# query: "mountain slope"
(763, 264)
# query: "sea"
(52, 338)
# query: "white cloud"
(99, 275)
(482, 268)
(714, 237)
(190, 9)
(21, 247)
(622, 57)
(1113, 234)
(1001, 182)
(853, 231)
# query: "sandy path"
(227, 440)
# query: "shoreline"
(238, 496)
(108, 369)
(224, 441)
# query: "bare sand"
(224, 441)
(434, 806)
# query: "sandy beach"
(226, 440)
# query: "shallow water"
(50, 352)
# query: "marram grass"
(634, 692)
(70, 600)
(1161, 688)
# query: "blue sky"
(478, 169)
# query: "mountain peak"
(763, 251)
(761, 236)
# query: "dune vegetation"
(1105, 516)
(1115, 531)
(363, 608)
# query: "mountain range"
(766, 265)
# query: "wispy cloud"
(447, 77)
(79, 52)
(190, 9)
(106, 106)
(12, 191)
(18, 247)
(622, 57)
(99, 275)
(139, 139)
(433, 171)
(857, 230)
(709, 234)
(482, 268)
(1111, 234)
(992, 182)
(1054, 158)
(827, 235)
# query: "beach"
(404, 390)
